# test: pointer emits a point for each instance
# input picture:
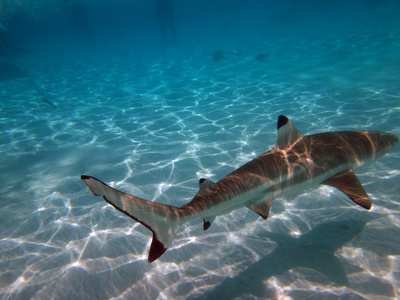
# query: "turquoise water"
(150, 115)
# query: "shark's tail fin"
(162, 220)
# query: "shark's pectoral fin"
(162, 220)
(262, 208)
(207, 222)
(349, 184)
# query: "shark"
(295, 163)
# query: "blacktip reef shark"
(295, 163)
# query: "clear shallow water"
(151, 123)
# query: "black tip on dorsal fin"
(282, 121)
(287, 133)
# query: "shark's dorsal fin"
(349, 184)
(287, 133)
(262, 208)
(205, 185)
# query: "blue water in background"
(150, 114)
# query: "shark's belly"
(270, 190)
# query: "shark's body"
(295, 163)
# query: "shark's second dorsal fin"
(349, 184)
(287, 133)
(205, 185)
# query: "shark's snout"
(383, 141)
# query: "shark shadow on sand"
(314, 250)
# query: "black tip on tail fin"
(156, 249)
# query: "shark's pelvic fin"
(162, 220)
(207, 222)
(262, 208)
(287, 133)
(349, 184)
